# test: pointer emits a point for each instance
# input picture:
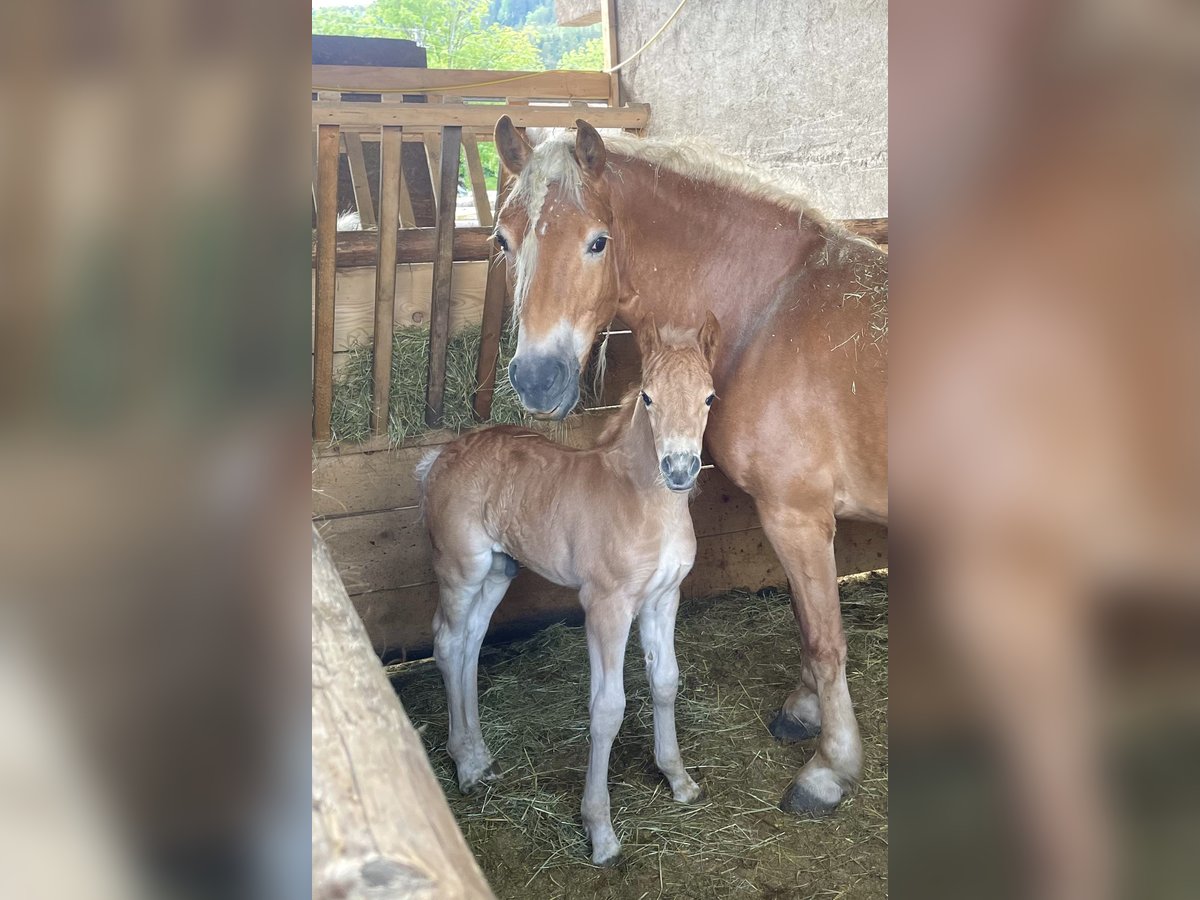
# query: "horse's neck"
(631, 449)
(689, 247)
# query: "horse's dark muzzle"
(546, 385)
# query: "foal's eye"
(500, 242)
(709, 399)
(645, 398)
(598, 245)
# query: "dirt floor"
(739, 656)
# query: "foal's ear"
(648, 339)
(514, 150)
(710, 336)
(589, 149)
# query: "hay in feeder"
(739, 656)
(351, 418)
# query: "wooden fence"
(449, 112)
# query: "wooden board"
(443, 271)
(385, 280)
(462, 82)
(380, 823)
(354, 312)
(424, 117)
(324, 277)
(413, 245)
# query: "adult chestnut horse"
(662, 232)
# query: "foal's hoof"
(800, 801)
(790, 729)
(490, 774)
(609, 862)
(689, 794)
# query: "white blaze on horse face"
(563, 338)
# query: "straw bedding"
(739, 656)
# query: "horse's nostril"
(665, 465)
(694, 468)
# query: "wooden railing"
(450, 113)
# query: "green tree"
(454, 33)
(587, 57)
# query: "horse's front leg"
(608, 622)
(803, 539)
(657, 627)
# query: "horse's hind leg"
(657, 624)
(471, 589)
(804, 542)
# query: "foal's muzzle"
(547, 386)
(680, 470)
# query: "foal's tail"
(421, 472)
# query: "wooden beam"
(327, 184)
(385, 278)
(423, 117)
(359, 180)
(433, 153)
(608, 33)
(356, 249)
(565, 85)
(380, 823)
(875, 229)
(483, 207)
(443, 268)
(493, 319)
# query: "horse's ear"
(648, 339)
(514, 150)
(589, 149)
(710, 335)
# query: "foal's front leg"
(657, 624)
(608, 621)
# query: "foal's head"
(677, 391)
(556, 231)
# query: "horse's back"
(804, 408)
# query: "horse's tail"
(422, 470)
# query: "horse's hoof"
(790, 729)
(799, 801)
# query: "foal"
(612, 521)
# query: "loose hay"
(739, 656)
(351, 417)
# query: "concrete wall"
(797, 86)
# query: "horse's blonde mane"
(553, 162)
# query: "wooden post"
(327, 185)
(390, 147)
(358, 178)
(493, 317)
(443, 268)
(608, 31)
(380, 823)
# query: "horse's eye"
(645, 398)
(598, 245)
(501, 242)
(709, 399)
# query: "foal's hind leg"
(470, 595)
(804, 543)
(657, 624)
